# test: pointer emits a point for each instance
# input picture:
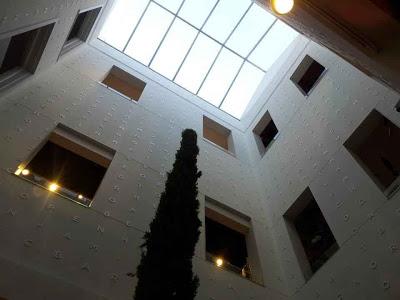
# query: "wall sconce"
(282, 6)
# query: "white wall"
(309, 153)
(37, 226)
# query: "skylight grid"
(212, 48)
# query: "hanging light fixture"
(53, 187)
(282, 6)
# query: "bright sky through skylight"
(216, 49)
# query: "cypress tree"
(165, 270)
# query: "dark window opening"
(81, 29)
(22, 52)
(124, 83)
(307, 74)
(269, 133)
(74, 33)
(69, 164)
(375, 144)
(308, 225)
(224, 242)
(265, 132)
(397, 107)
(68, 169)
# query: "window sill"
(219, 147)
(12, 77)
(69, 45)
(119, 93)
(210, 261)
(63, 192)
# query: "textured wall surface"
(53, 248)
(309, 153)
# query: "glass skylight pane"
(174, 48)
(225, 17)
(149, 33)
(121, 22)
(273, 45)
(196, 11)
(242, 90)
(220, 77)
(197, 63)
(172, 5)
(254, 24)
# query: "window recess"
(218, 135)
(312, 239)
(230, 241)
(265, 133)
(375, 145)
(124, 83)
(20, 53)
(81, 29)
(69, 164)
(307, 75)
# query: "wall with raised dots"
(53, 248)
(309, 152)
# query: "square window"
(375, 145)
(218, 134)
(307, 74)
(69, 164)
(20, 54)
(265, 132)
(80, 29)
(230, 242)
(313, 240)
(124, 83)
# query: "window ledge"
(12, 77)
(119, 93)
(232, 272)
(219, 147)
(68, 46)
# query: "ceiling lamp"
(282, 6)
(53, 187)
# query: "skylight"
(218, 50)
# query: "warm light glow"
(19, 171)
(80, 197)
(282, 6)
(219, 262)
(25, 172)
(53, 187)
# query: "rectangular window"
(81, 29)
(307, 74)
(124, 83)
(397, 107)
(375, 144)
(218, 134)
(265, 133)
(69, 164)
(230, 242)
(20, 53)
(312, 239)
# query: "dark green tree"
(165, 270)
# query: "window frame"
(262, 124)
(241, 223)
(223, 131)
(300, 71)
(297, 208)
(85, 147)
(33, 59)
(85, 31)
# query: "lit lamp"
(80, 197)
(219, 262)
(25, 172)
(53, 187)
(282, 6)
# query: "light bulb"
(80, 197)
(53, 187)
(282, 6)
(25, 172)
(219, 262)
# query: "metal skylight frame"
(200, 31)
